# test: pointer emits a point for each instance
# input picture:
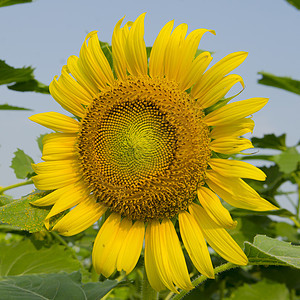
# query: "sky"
(43, 34)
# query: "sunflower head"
(145, 147)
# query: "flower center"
(134, 142)
(143, 148)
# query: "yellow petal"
(234, 129)
(65, 99)
(175, 256)
(69, 85)
(69, 93)
(71, 197)
(75, 67)
(53, 166)
(55, 180)
(150, 263)
(186, 56)
(180, 53)
(236, 168)
(51, 152)
(218, 91)
(173, 51)
(213, 207)
(118, 45)
(236, 192)
(135, 48)
(157, 55)
(197, 69)
(159, 245)
(230, 145)
(215, 74)
(84, 215)
(195, 244)
(54, 196)
(56, 121)
(59, 146)
(107, 245)
(67, 138)
(218, 238)
(234, 111)
(131, 248)
(93, 63)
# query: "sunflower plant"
(144, 182)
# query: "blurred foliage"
(13, 2)
(295, 3)
(21, 164)
(285, 83)
(11, 107)
(19, 79)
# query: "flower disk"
(144, 148)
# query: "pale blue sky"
(44, 34)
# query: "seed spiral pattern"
(143, 148)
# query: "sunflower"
(147, 147)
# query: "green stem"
(59, 238)
(296, 222)
(63, 242)
(297, 179)
(148, 293)
(202, 278)
(15, 185)
(298, 204)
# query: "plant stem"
(296, 222)
(298, 204)
(148, 293)
(63, 242)
(15, 185)
(202, 278)
(59, 238)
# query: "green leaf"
(268, 251)
(30, 86)
(285, 83)
(266, 290)
(270, 141)
(5, 199)
(21, 214)
(96, 290)
(10, 107)
(12, 2)
(288, 160)
(9, 74)
(53, 286)
(21, 163)
(22, 79)
(23, 257)
(295, 3)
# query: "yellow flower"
(144, 149)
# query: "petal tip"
(212, 31)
